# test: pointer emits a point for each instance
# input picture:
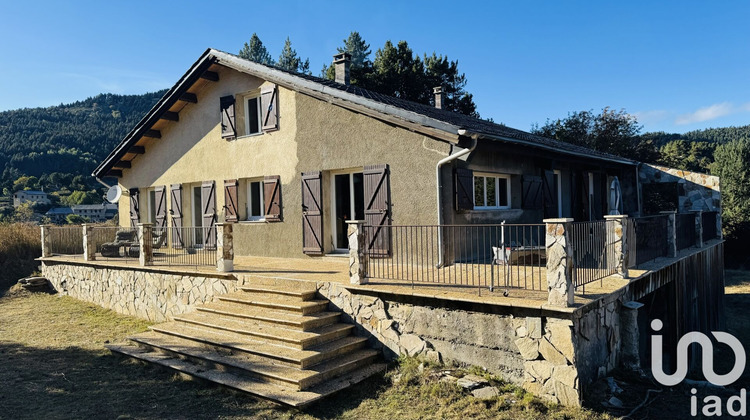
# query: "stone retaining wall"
(697, 191)
(533, 352)
(150, 295)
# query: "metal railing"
(184, 246)
(594, 255)
(483, 256)
(685, 226)
(66, 240)
(114, 243)
(651, 238)
(709, 225)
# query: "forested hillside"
(66, 139)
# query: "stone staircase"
(274, 339)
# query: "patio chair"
(158, 239)
(123, 239)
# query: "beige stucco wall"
(313, 135)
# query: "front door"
(348, 204)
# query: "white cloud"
(651, 117)
(709, 113)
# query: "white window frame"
(249, 201)
(496, 177)
(246, 104)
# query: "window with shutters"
(255, 205)
(252, 114)
(491, 191)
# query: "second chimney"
(342, 62)
(439, 96)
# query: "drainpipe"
(638, 187)
(442, 162)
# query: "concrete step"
(283, 394)
(276, 290)
(271, 333)
(257, 366)
(279, 303)
(288, 319)
(279, 283)
(240, 342)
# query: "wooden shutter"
(231, 213)
(134, 207)
(272, 198)
(228, 126)
(312, 213)
(531, 194)
(161, 207)
(269, 108)
(378, 209)
(176, 213)
(549, 194)
(208, 203)
(464, 189)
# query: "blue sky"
(677, 66)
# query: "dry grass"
(20, 243)
(53, 365)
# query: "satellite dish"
(114, 193)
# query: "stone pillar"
(559, 262)
(46, 241)
(358, 258)
(224, 247)
(145, 242)
(630, 336)
(89, 246)
(671, 233)
(698, 228)
(617, 234)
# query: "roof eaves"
(610, 158)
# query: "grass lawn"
(53, 365)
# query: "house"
(96, 212)
(301, 223)
(289, 158)
(33, 197)
(57, 215)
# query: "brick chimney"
(439, 96)
(342, 62)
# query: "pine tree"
(255, 51)
(360, 71)
(442, 72)
(289, 60)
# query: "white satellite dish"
(114, 193)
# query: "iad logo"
(712, 403)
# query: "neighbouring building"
(57, 215)
(96, 212)
(33, 197)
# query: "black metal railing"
(685, 226)
(708, 218)
(66, 240)
(594, 256)
(185, 246)
(114, 243)
(651, 238)
(483, 256)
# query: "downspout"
(442, 162)
(638, 188)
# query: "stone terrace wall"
(697, 191)
(533, 352)
(145, 294)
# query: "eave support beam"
(170, 116)
(210, 75)
(189, 97)
(138, 150)
(122, 164)
(115, 172)
(154, 134)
